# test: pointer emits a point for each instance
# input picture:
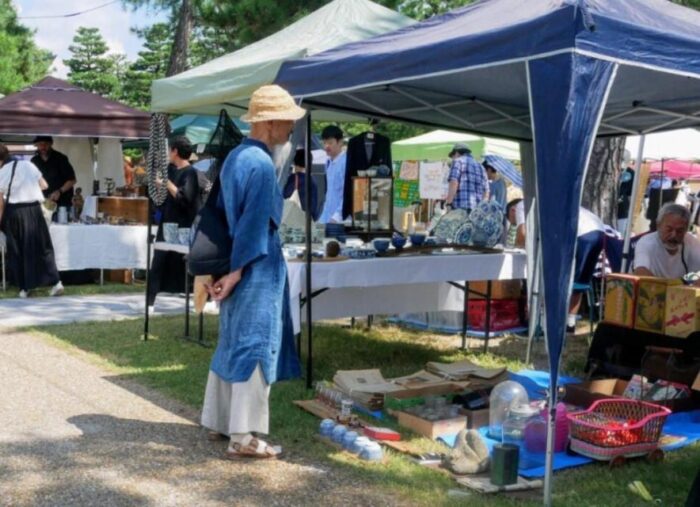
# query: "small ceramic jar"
(349, 439)
(326, 427)
(359, 444)
(372, 452)
(338, 433)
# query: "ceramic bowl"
(399, 242)
(381, 245)
(372, 452)
(362, 174)
(384, 171)
(349, 439)
(371, 173)
(359, 444)
(417, 239)
(326, 427)
(338, 433)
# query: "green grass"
(179, 369)
(79, 290)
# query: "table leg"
(187, 304)
(370, 319)
(148, 270)
(200, 330)
(487, 326)
(465, 315)
(102, 276)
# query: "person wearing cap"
(497, 185)
(468, 184)
(256, 343)
(56, 170)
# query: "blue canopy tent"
(553, 74)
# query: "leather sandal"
(252, 447)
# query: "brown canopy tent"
(55, 107)
(86, 127)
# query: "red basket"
(617, 427)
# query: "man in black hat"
(468, 183)
(56, 170)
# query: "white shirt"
(651, 254)
(25, 185)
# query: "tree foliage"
(151, 64)
(21, 61)
(90, 66)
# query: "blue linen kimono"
(255, 324)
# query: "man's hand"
(55, 195)
(221, 288)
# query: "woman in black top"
(181, 207)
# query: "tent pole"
(633, 200)
(549, 460)
(148, 267)
(307, 202)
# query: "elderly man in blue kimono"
(256, 344)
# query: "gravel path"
(73, 434)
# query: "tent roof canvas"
(228, 81)
(479, 81)
(437, 144)
(58, 108)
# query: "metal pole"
(309, 290)
(633, 201)
(549, 459)
(148, 267)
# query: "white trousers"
(241, 407)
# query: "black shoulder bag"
(7, 199)
(210, 247)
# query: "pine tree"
(151, 64)
(21, 61)
(91, 68)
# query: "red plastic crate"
(505, 314)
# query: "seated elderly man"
(670, 252)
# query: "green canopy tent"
(227, 82)
(437, 144)
(197, 128)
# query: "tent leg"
(487, 326)
(465, 315)
(549, 459)
(148, 269)
(307, 199)
(633, 199)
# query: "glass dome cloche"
(504, 396)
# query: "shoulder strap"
(12, 178)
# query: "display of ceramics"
(183, 235)
(398, 241)
(487, 224)
(446, 228)
(358, 253)
(463, 236)
(381, 245)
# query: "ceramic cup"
(372, 452)
(359, 444)
(170, 232)
(349, 439)
(183, 235)
(417, 239)
(338, 433)
(326, 427)
(381, 245)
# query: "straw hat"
(272, 102)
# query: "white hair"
(671, 208)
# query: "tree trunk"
(180, 51)
(601, 186)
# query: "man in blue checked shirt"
(468, 184)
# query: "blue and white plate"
(447, 226)
(487, 224)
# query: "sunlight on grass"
(179, 369)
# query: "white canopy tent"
(683, 144)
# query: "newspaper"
(419, 379)
(463, 370)
(363, 381)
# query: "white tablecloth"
(78, 246)
(397, 285)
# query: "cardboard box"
(585, 393)
(682, 311)
(476, 418)
(620, 299)
(432, 429)
(650, 310)
(500, 289)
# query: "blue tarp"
(554, 73)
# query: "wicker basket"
(617, 427)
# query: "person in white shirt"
(30, 255)
(671, 251)
(332, 212)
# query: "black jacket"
(357, 160)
